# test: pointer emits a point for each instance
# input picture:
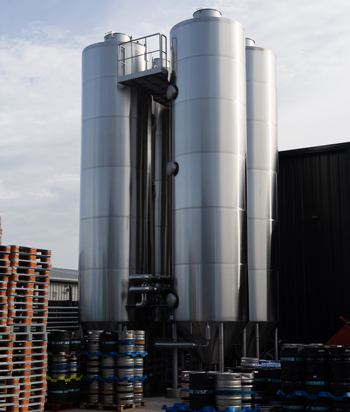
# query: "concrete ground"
(152, 405)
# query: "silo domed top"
(118, 37)
(206, 13)
(249, 42)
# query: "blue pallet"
(179, 407)
(114, 378)
(119, 355)
(314, 397)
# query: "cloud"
(40, 139)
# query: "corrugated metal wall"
(314, 209)
(60, 290)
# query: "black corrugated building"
(314, 215)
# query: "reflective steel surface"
(209, 144)
(262, 163)
(110, 215)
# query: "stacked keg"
(260, 386)
(316, 376)
(93, 365)
(228, 391)
(107, 392)
(58, 376)
(201, 390)
(273, 385)
(114, 373)
(74, 378)
(64, 377)
(108, 344)
(339, 374)
(248, 394)
(58, 392)
(75, 343)
(75, 367)
(84, 382)
(292, 376)
(125, 393)
(108, 371)
(125, 367)
(261, 382)
(138, 392)
(140, 346)
(185, 387)
(140, 341)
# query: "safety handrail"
(160, 53)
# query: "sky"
(41, 42)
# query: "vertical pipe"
(276, 344)
(174, 358)
(132, 59)
(257, 340)
(244, 343)
(160, 50)
(166, 195)
(170, 194)
(221, 347)
(145, 56)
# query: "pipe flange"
(172, 168)
(172, 301)
(172, 92)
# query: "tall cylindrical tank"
(209, 207)
(112, 184)
(262, 161)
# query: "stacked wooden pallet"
(24, 282)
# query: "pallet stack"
(9, 397)
(24, 280)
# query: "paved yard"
(152, 405)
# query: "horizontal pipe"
(143, 289)
(173, 345)
(140, 277)
(63, 307)
(150, 278)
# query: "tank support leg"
(276, 344)
(174, 392)
(244, 343)
(221, 348)
(257, 341)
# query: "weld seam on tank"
(179, 101)
(214, 19)
(110, 167)
(210, 55)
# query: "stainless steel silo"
(115, 183)
(262, 161)
(209, 206)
